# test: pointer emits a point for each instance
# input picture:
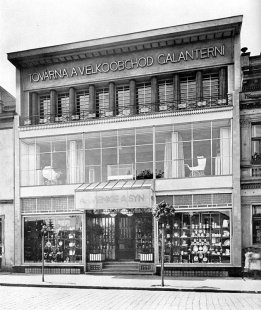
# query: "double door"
(112, 236)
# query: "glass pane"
(201, 131)
(126, 137)
(127, 155)
(92, 140)
(109, 158)
(92, 157)
(217, 125)
(144, 171)
(92, 174)
(144, 153)
(62, 241)
(184, 131)
(109, 139)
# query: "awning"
(114, 195)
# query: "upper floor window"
(187, 91)
(166, 94)
(44, 108)
(82, 104)
(256, 143)
(102, 101)
(62, 108)
(210, 86)
(123, 100)
(257, 225)
(143, 97)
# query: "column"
(154, 95)
(133, 101)
(53, 105)
(112, 101)
(222, 84)
(72, 103)
(199, 87)
(176, 91)
(92, 100)
(34, 115)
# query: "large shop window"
(62, 243)
(184, 150)
(256, 144)
(197, 237)
(257, 225)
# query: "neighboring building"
(7, 112)
(110, 127)
(250, 106)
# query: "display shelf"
(143, 238)
(203, 237)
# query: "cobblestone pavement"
(19, 298)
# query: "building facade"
(110, 127)
(7, 112)
(250, 113)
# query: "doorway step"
(121, 267)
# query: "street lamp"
(44, 230)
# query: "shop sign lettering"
(129, 64)
(114, 200)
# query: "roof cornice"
(174, 35)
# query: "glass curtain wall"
(183, 150)
(194, 149)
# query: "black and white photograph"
(130, 155)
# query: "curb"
(90, 287)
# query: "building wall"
(7, 215)
(6, 164)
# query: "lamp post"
(43, 231)
(162, 212)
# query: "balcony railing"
(139, 109)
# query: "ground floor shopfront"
(118, 226)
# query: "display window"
(197, 237)
(62, 241)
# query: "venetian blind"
(210, 86)
(187, 89)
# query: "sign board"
(117, 199)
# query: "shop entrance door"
(126, 240)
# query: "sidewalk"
(131, 282)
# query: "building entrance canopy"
(115, 195)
